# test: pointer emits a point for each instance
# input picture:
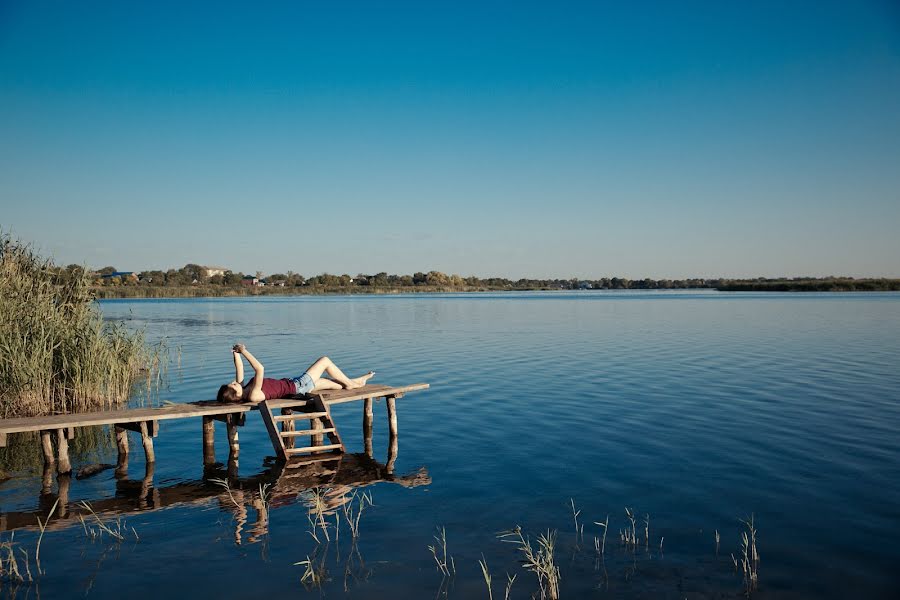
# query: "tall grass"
(56, 353)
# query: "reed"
(445, 564)
(601, 547)
(56, 353)
(317, 502)
(579, 528)
(487, 576)
(629, 535)
(540, 561)
(354, 513)
(748, 562)
(117, 529)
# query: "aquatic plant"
(629, 535)
(487, 576)
(445, 564)
(353, 515)
(115, 529)
(56, 353)
(316, 500)
(601, 547)
(748, 561)
(540, 561)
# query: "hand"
(238, 348)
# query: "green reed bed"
(56, 353)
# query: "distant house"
(213, 271)
(121, 275)
(250, 280)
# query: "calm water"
(698, 409)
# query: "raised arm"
(258, 369)
(238, 366)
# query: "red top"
(276, 388)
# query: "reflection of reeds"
(444, 564)
(540, 561)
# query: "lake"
(696, 409)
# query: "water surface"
(695, 408)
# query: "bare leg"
(323, 383)
(325, 365)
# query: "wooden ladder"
(319, 420)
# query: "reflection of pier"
(283, 484)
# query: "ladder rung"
(307, 449)
(307, 432)
(295, 416)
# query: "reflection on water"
(281, 484)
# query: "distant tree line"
(193, 275)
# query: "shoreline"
(162, 293)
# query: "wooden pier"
(314, 409)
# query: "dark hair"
(227, 394)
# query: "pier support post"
(316, 439)
(287, 426)
(209, 441)
(368, 420)
(62, 446)
(234, 448)
(122, 447)
(47, 449)
(392, 434)
(148, 440)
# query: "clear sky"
(637, 139)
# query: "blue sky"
(643, 139)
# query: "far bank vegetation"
(194, 280)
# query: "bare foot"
(358, 382)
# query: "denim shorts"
(303, 384)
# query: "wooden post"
(209, 441)
(122, 446)
(234, 448)
(287, 426)
(62, 447)
(47, 448)
(368, 420)
(148, 442)
(392, 434)
(316, 438)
